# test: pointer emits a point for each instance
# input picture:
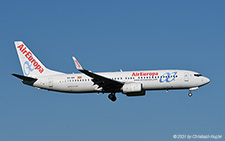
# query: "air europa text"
(29, 55)
(144, 73)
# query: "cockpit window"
(197, 75)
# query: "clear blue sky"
(108, 36)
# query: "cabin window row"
(152, 77)
(75, 80)
(120, 78)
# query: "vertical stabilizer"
(30, 64)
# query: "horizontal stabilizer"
(24, 78)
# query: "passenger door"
(50, 82)
(186, 77)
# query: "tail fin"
(30, 64)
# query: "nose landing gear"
(192, 89)
(190, 94)
(112, 97)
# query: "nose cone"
(206, 80)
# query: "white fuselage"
(130, 83)
(150, 80)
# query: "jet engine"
(133, 89)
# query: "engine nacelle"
(133, 89)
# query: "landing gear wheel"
(190, 94)
(112, 97)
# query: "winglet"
(78, 66)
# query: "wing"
(108, 85)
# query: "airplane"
(130, 83)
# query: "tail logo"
(27, 68)
(31, 61)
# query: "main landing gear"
(112, 97)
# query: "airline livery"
(130, 83)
